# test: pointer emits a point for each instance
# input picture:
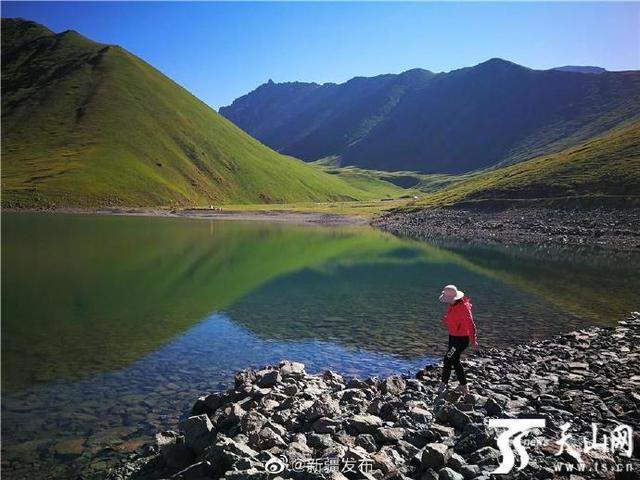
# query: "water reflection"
(388, 304)
(85, 294)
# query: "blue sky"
(220, 51)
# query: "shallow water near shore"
(112, 326)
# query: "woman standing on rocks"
(462, 330)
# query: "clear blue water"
(113, 326)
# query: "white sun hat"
(450, 293)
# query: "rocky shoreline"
(600, 228)
(281, 422)
(277, 216)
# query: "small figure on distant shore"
(462, 331)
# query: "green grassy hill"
(91, 125)
(411, 182)
(605, 169)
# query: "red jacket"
(459, 319)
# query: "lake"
(112, 326)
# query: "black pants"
(452, 359)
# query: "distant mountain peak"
(499, 63)
(417, 73)
(415, 70)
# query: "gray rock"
(364, 423)
(406, 449)
(245, 377)
(456, 462)
(240, 448)
(324, 406)
(387, 460)
(449, 474)
(291, 369)
(276, 427)
(366, 441)
(269, 404)
(298, 451)
(442, 431)
(308, 416)
(207, 404)
(435, 455)
(252, 421)
(267, 438)
(389, 410)
(326, 425)
(227, 452)
(485, 456)
(320, 441)
(198, 432)
(390, 434)
(451, 415)
(332, 377)
(493, 408)
(229, 416)
(420, 416)
(429, 474)
(268, 377)
(469, 471)
(177, 456)
(473, 438)
(250, 474)
(168, 437)
(353, 396)
(290, 389)
(357, 384)
(394, 385)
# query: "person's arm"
(474, 334)
(444, 319)
(471, 326)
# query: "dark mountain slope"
(317, 121)
(494, 113)
(90, 125)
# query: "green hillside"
(604, 169)
(407, 182)
(91, 125)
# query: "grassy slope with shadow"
(91, 125)
(604, 170)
